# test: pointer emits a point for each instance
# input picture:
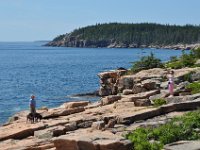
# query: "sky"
(32, 20)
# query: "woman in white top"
(171, 83)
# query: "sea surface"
(54, 74)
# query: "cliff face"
(116, 35)
(69, 40)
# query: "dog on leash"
(33, 118)
(38, 117)
(30, 118)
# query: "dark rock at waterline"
(91, 94)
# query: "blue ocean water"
(53, 74)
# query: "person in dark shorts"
(32, 105)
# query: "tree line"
(138, 34)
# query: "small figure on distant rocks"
(32, 104)
(171, 83)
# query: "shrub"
(180, 128)
(196, 53)
(173, 59)
(147, 62)
(187, 60)
(174, 65)
(194, 87)
(159, 102)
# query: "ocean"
(55, 74)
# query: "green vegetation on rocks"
(146, 62)
(185, 60)
(185, 127)
(159, 102)
(194, 87)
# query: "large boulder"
(110, 99)
(150, 84)
(125, 82)
(138, 88)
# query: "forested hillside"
(129, 35)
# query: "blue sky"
(30, 20)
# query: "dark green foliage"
(180, 128)
(135, 34)
(185, 60)
(194, 87)
(188, 77)
(58, 38)
(159, 102)
(174, 65)
(173, 59)
(196, 53)
(146, 62)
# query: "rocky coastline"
(73, 42)
(126, 104)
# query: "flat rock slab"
(183, 145)
(19, 130)
(26, 144)
(92, 140)
(153, 112)
(144, 95)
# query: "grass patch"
(159, 102)
(194, 87)
(185, 127)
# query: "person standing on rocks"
(32, 104)
(171, 83)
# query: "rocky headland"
(124, 35)
(126, 104)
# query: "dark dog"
(38, 117)
(33, 118)
(30, 118)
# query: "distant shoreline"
(175, 47)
